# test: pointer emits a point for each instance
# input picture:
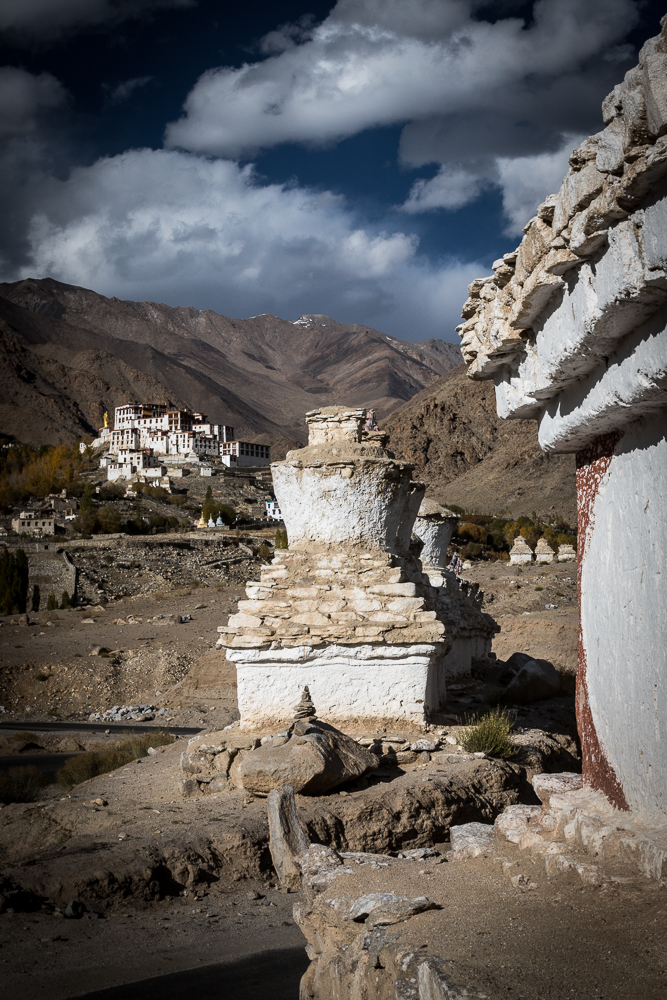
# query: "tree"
(87, 505)
(109, 520)
(51, 603)
(65, 601)
(13, 582)
(281, 538)
(35, 598)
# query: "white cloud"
(179, 228)
(527, 180)
(376, 63)
(452, 187)
(30, 20)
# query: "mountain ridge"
(469, 456)
(260, 374)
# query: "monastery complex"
(144, 435)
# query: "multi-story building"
(34, 522)
(153, 430)
(238, 454)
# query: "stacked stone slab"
(346, 609)
(520, 552)
(572, 327)
(459, 602)
(543, 552)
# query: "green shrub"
(281, 539)
(539, 588)
(109, 520)
(36, 597)
(65, 601)
(51, 603)
(21, 784)
(95, 762)
(264, 551)
(490, 734)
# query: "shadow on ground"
(272, 973)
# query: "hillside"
(67, 354)
(468, 456)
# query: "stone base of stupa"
(351, 685)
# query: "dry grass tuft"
(490, 734)
(95, 762)
(21, 784)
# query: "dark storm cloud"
(29, 21)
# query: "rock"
(471, 839)
(513, 821)
(218, 784)
(194, 763)
(287, 838)
(314, 763)
(419, 853)
(382, 908)
(23, 620)
(425, 744)
(536, 679)
(546, 785)
(74, 910)
(189, 788)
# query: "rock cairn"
(305, 709)
(347, 608)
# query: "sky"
(364, 159)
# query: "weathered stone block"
(577, 191)
(242, 620)
(394, 589)
(406, 605)
(655, 91)
(310, 618)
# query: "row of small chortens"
(521, 552)
(572, 328)
(350, 608)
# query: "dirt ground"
(172, 884)
(48, 670)
(516, 597)
(557, 940)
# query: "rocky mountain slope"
(67, 354)
(468, 456)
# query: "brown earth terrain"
(68, 354)
(468, 456)
(182, 884)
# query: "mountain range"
(468, 456)
(68, 353)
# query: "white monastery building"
(145, 432)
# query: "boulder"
(287, 837)
(536, 679)
(312, 763)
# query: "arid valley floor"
(171, 884)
